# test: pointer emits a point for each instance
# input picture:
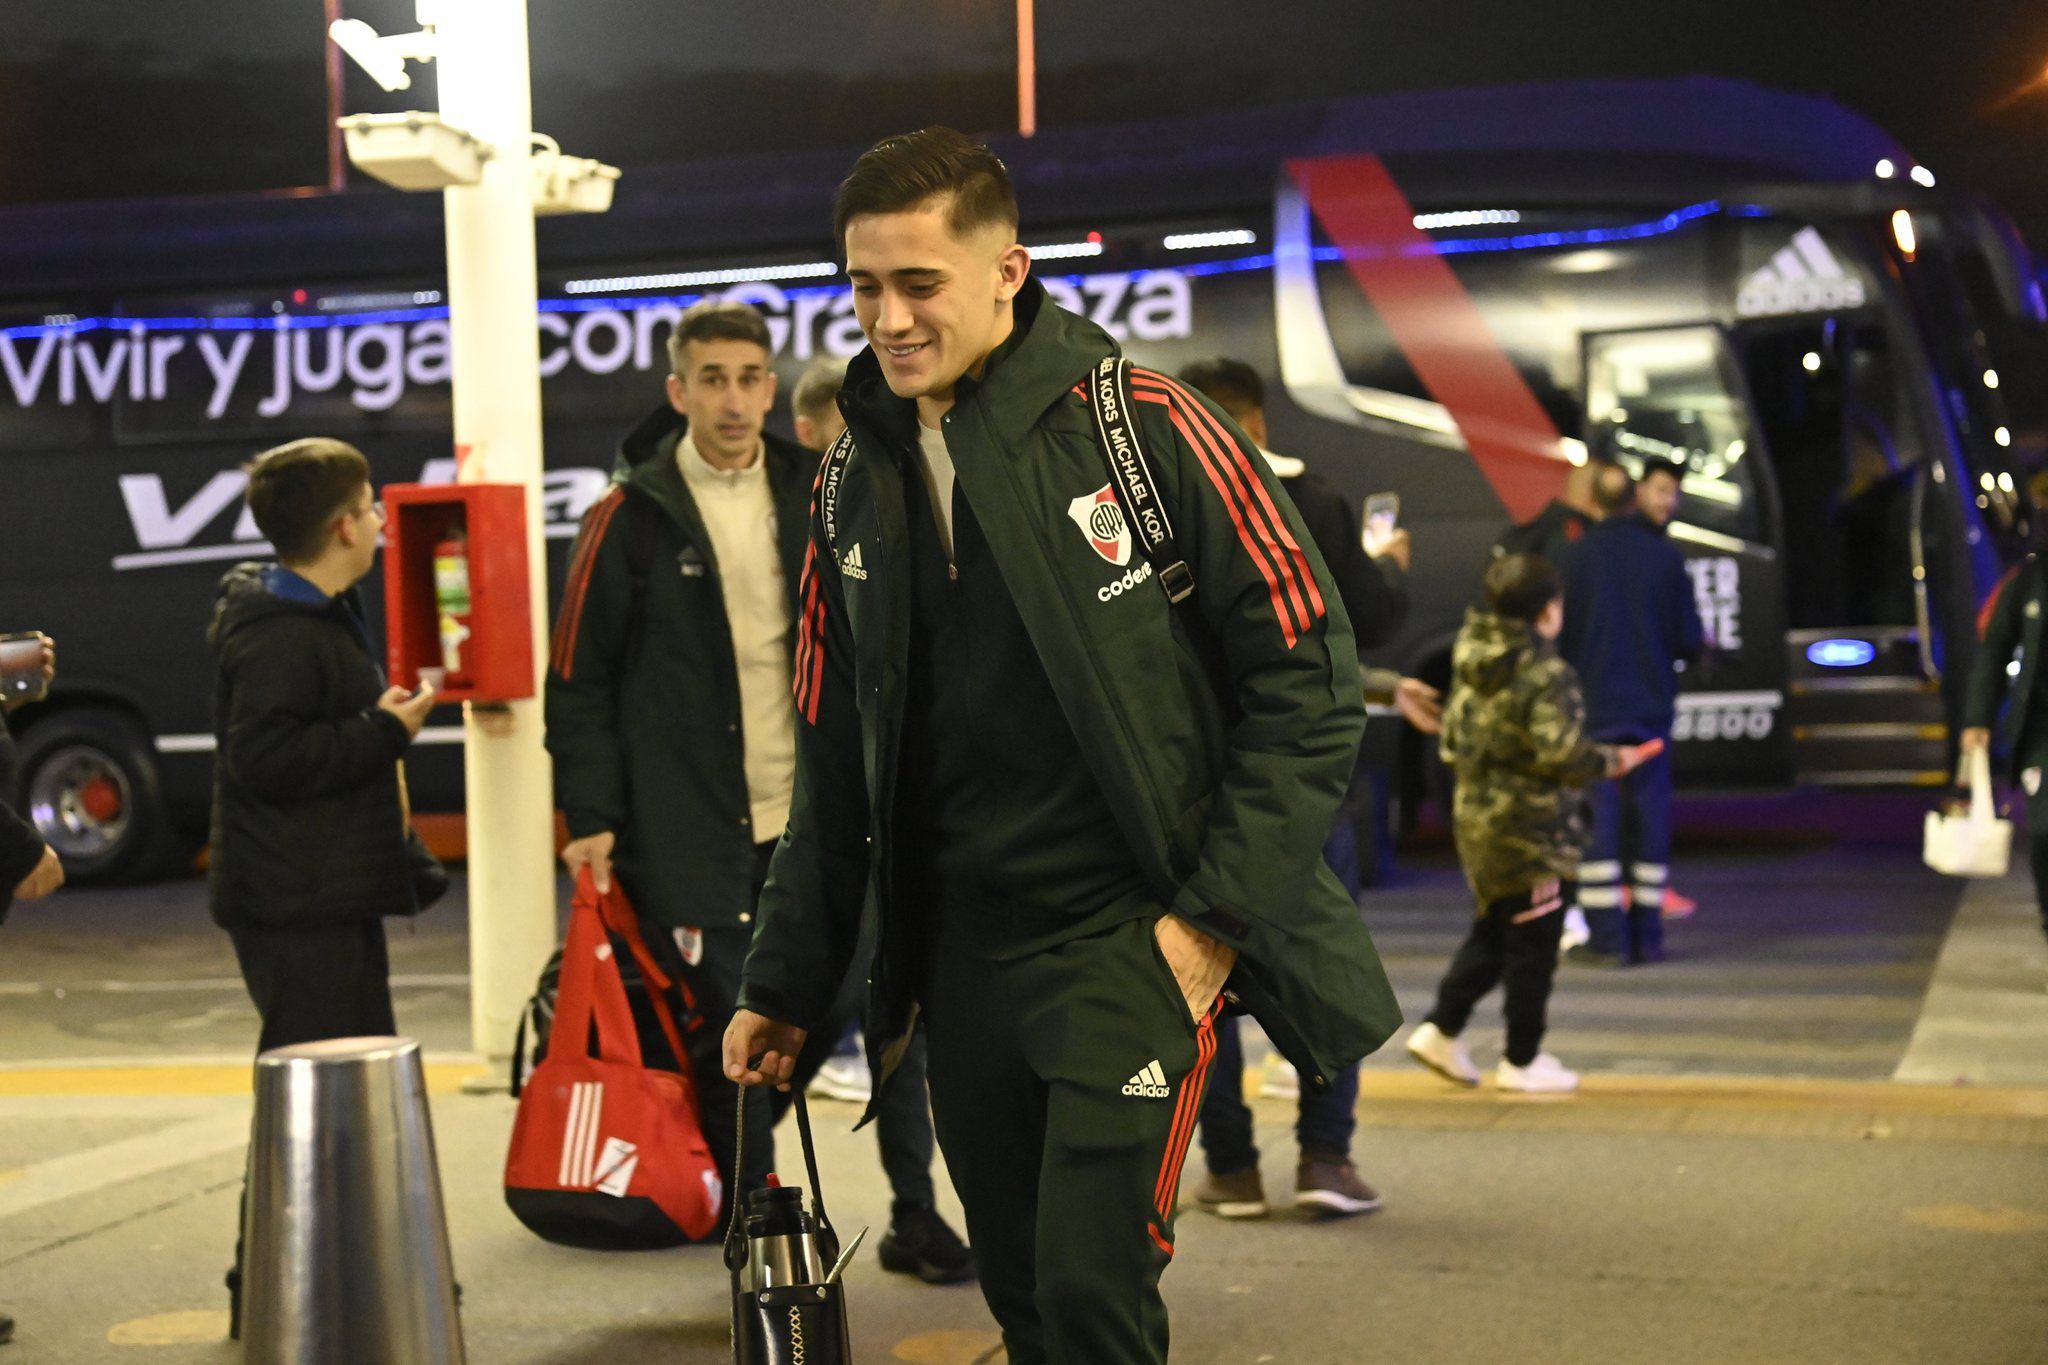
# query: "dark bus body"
(1453, 296)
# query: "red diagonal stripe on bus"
(1437, 326)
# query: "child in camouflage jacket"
(1515, 737)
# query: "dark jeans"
(1499, 951)
(903, 1112)
(1630, 848)
(1323, 1122)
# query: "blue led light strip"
(1526, 241)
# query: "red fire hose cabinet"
(456, 594)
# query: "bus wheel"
(89, 784)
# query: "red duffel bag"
(607, 1153)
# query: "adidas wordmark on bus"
(1149, 1083)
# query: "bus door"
(1843, 452)
(1675, 394)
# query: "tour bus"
(1454, 297)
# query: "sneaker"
(1544, 1076)
(919, 1242)
(843, 1078)
(1575, 930)
(1443, 1054)
(1678, 905)
(1328, 1185)
(1281, 1081)
(1235, 1194)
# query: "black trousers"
(1065, 1085)
(1513, 944)
(903, 1111)
(313, 984)
(309, 985)
(2037, 856)
(713, 982)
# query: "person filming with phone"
(312, 842)
(29, 869)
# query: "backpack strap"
(831, 475)
(1130, 474)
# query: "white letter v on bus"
(159, 528)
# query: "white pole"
(492, 298)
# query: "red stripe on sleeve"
(1296, 560)
(570, 622)
(1255, 545)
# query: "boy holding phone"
(310, 833)
(1515, 733)
(311, 841)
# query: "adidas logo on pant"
(1149, 1084)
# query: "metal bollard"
(347, 1257)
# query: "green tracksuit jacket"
(1225, 800)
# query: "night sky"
(121, 98)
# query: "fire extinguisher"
(452, 603)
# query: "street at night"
(1818, 1132)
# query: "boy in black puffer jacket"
(311, 845)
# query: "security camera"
(383, 58)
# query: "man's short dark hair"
(297, 490)
(907, 172)
(717, 320)
(818, 388)
(1669, 469)
(1234, 385)
(1613, 488)
(1519, 587)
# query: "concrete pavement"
(1740, 1181)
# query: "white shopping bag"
(1969, 841)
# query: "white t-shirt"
(938, 479)
(738, 508)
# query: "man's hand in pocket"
(1200, 964)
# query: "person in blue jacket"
(1630, 624)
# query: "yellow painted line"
(1998, 1220)
(211, 1078)
(948, 1348)
(193, 1326)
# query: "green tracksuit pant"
(1065, 1084)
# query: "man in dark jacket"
(668, 692)
(310, 847)
(1631, 621)
(1067, 809)
(2013, 631)
(1374, 589)
(29, 868)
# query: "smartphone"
(21, 666)
(1382, 511)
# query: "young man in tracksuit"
(1632, 621)
(1068, 809)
